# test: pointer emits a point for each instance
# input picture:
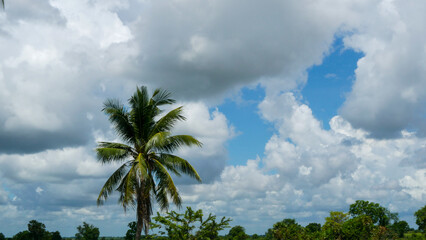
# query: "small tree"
(421, 218)
(237, 233)
(131, 233)
(286, 229)
(334, 224)
(25, 235)
(182, 226)
(313, 230)
(400, 228)
(56, 236)
(378, 214)
(2, 236)
(87, 232)
(37, 230)
(313, 227)
(359, 227)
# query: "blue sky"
(303, 107)
(324, 92)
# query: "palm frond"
(108, 152)
(2, 3)
(167, 122)
(172, 143)
(175, 163)
(120, 119)
(142, 115)
(165, 184)
(162, 97)
(157, 141)
(127, 188)
(142, 168)
(111, 183)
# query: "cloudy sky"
(303, 106)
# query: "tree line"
(364, 220)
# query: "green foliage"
(131, 233)
(37, 230)
(146, 154)
(333, 225)
(359, 227)
(286, 229)
(313, 230)
(237, 233)
(378, 214)
(183, 226)
(313, 227)
(400, 228)
(87, 232)
(24, 235)
(414, 236)
(2, 236)
(382, 233)
(56, 236)
(421, 218)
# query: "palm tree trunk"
(139, 216)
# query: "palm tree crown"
(146, 154)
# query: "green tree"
(209, 228)
(313, 230)
(378, 214)
(359, 227)
(2, 236)
(286, 229)
(421, 218)
(313, 227)
(400, 228)
(333, 226)
(184, 226)
(25, 235)
(237, 233)
(37, 230)
(87, 232)
(131, 233)
(147, 154)
(56, 236)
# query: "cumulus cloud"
(219, 46)
(303, 150)
(213, 131)
(308, 171)
(387, 95)
(59, 60)
(52, 71)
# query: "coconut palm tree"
(145, 155)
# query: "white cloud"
(213, 130)
(416, 185)
(59, 60)
(39, 190)
(387, 95)
(308, 171)
(217, 47)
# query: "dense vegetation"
(364, 220)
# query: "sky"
(303, 107)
